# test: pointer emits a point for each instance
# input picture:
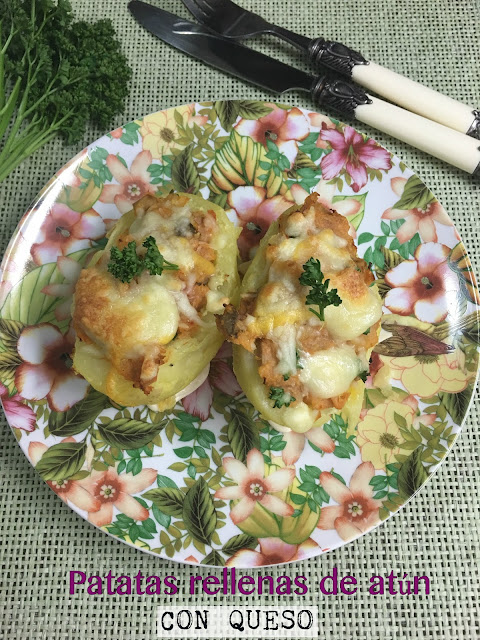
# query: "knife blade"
(218, 51)
(247, 64)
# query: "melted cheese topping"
(285, 336)
(311, 359)
(129, 322)
(353, 317)
(330, 373)
(159, 327)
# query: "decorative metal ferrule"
(335, 55)
(476, 171)
(474, 129)
(339, 95)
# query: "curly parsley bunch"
(56, 76)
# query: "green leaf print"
(242, 541)
(185, 176)
(242, 434)
(412, 474)
(214, 559)
(457, 403)
(128, 434)
(237, 163)
(253, 109)
(79, 417)
(415, 195)
(8, 364)
(10, 331)
(168, 500)
(26, 303)
(227, 112)
(199, 512)
(62, 460)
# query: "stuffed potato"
(307, 321)
(144, 309)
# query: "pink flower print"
(357, 511)
(18, 414)
(421, 220)
(44, 372)
(284, 128)
(321, 121)
(192, 119)
(117, 133)
(65, 231)
(353, 154)
(132, 184)
(273, 551)
(256, 212)
(191, 559)
(425, 286)
(111, 489)
(296, 443)
(70, 490)
(199, 402)
(252, 487)
(348, 207)
(70, 270)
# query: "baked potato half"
(307, 321)
(144, 308)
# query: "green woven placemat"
(436, 534)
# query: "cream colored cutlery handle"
(444, 143)
(415, 96)
(349, 99)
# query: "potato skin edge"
(185, 357)
(244, 362)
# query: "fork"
(230, 20)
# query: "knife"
(453, 147)
(234, 22)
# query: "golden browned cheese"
(283, 349)
(133, 337)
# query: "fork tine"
(213, 5)
(224, 16)
(198, 7)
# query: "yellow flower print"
(159, 131)
(425, 376)
(379, 436)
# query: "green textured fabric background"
(436, 534)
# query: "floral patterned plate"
(176, 484)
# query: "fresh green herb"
(280, 397)
(56, 76)
(126, 264)
(365, 333)
(286, 376)
(153, 260)
(297, 356)
(363, 375)
(319, 294)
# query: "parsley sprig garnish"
(363, 375)
(319, 294)
(280, 397)
(126, 264)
